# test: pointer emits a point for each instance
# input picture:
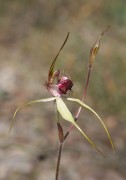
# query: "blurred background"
(31, 33)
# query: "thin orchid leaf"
(89, 108)
(66, 114)
(51, 70)
(29, 103)
(94, 50)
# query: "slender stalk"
(58, 161)
(61, 139)
(84, 94)
(87, 83)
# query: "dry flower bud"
(96, 46)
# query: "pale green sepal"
(66, 114)
(89, 108)
(29, 103)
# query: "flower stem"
(87, 83)
(58, 161)
(61, 139)
(84, 94)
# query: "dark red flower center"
(61, 87)
(64, 84)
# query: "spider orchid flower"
(58, 85)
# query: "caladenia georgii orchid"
(58, 85)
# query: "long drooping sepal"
(29, 103)
(89, 108)
(51, 70)
(66, 114)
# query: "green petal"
(29, 103)
(66, 114)
(87, 107)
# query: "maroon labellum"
(61, 87)
(64, 84)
